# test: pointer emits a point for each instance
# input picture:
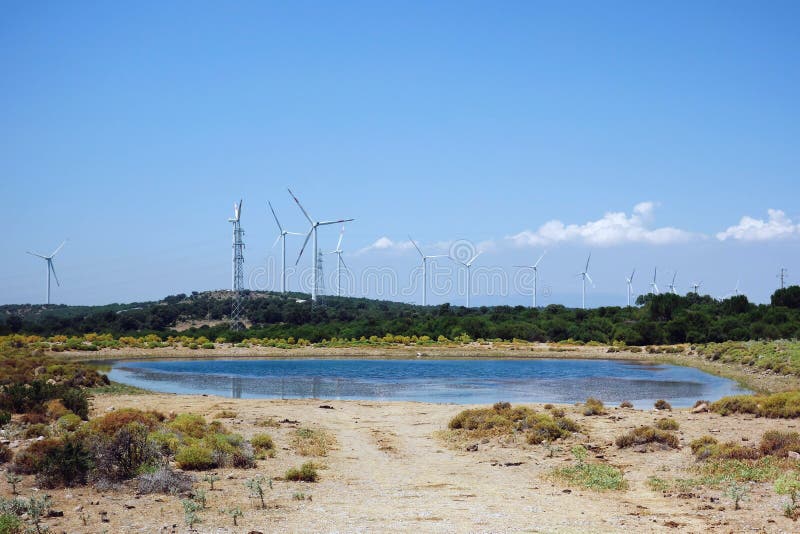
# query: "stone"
(472, 448)
(700, 408)
(794, 455)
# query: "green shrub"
(593, 476)
(10, 524)
(76, 401)
(667, 423)
(5, 418)
(68, 422)
(65, 465)
(733, 451)
(306, 473)
(29, 461)
(123, 455)
(5, 453)
(785, 405)
(702, 447)
(189, 424)
(194, 457)
(647, 434)
(262, 444)
(207, 345)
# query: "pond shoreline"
(758, 380)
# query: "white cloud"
(383, 243)
(778, 226)
(614, 228)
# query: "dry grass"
(644, 435)
(502, 419)
(593, 406)
(312, 441)
(667, 423)
(785, 405)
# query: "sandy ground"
(393, 472)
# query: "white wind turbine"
(736, 289)
(50, 268)
(584, 276)
(468, 265)
(339, 262)
(313, 231)
(281, 237)
(672, 285)
(535, 268)
(629, 281)
(653, 284)
(424, 270)
(695, 286)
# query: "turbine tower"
(424, 270)
(315, 255)
(468, 265)
(695, 286)
(281, 237)
(629, 281)
(50, 268)
(535, 268)
(339, 263)
(653, 284)
(736, 289)
(672, 285)
(584, 275)
(238, 265)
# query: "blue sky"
(649, 130)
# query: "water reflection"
(458, 381)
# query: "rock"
(794, 455)
(255, 532)
(51, 382)
(472, 448)
(700, 408)
(110, 409)
(104, 517)
(78, 508)
(326, 407)
(55, 513)
(129, 505)
(39, 371)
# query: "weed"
(784, 405)
(256, 487)
(661, 404)
(226, 414)
(10, 524)
(626, 404)
(647, 434)
(234, 513)
(211, 478)
(262, 444)
(667, 423)
(13, 479)
(194, 457)
(593, 406)
(165, 480)
(737, 493)
(190, 509)
(789, 484)
(306, 473)
(312, 442)
(199, 496)
(593, 476)
(779, 443)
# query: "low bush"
(165, 480)
(503, 418)
(262, 444)
(702, 447)
(29, 461)
(667, 423)
(65, 465)
(5, 453)
(5, 418)
(594, 476)
(68, 422)
(661, 404)
(10, 524)
(306, 473)
(731, 450)
(36, 430)
(779, 443)
(593, 406)
(122, 455)
(194, 457)
(644, 435)
(626, 404)
(784, 405)
(226, 414)
(189, 425)
(109, 424)
(312, 442)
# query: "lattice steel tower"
(237, 285)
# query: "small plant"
(593, 406)
(299, 496)
(263, 445)
(199, 496)
(226, 414)
(211, 478)
(164, 480)
(580, 453)
(661, 404)
(306, 473)
(647, 434)
(779, 443)
(13, 479)
(789, 484)
(312, 442)
(256, 487)
(37, 507)
(234, 513)
(551, 449)
(190, 509)
(5, 418)
(10, 524)
(626, 404)
(548, 406)
(593, 476)
(736, 492)
(667, 423)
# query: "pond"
(427, 380)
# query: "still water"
(456, 381)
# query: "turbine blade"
(540, 259)
(276, 240)
(239, 211)
(276, 217)
(50, 263)
(334, 222)
(343, 263)
(587, 262)
(37, 255)
(415, 246)
(304, 246)
(632, 273)
(59, 248)
(589, 278)
(341, 235)
(300, 206)
(294, 233)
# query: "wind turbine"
(672, 285)
(584, 275)
(313, 230)
(424, 270)
(468, 265)
(653, 284)
(535, 268)
(281, 237)
(629, 281)
(736, 289)
(695, 286)
(339, 263)
(50, 268)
